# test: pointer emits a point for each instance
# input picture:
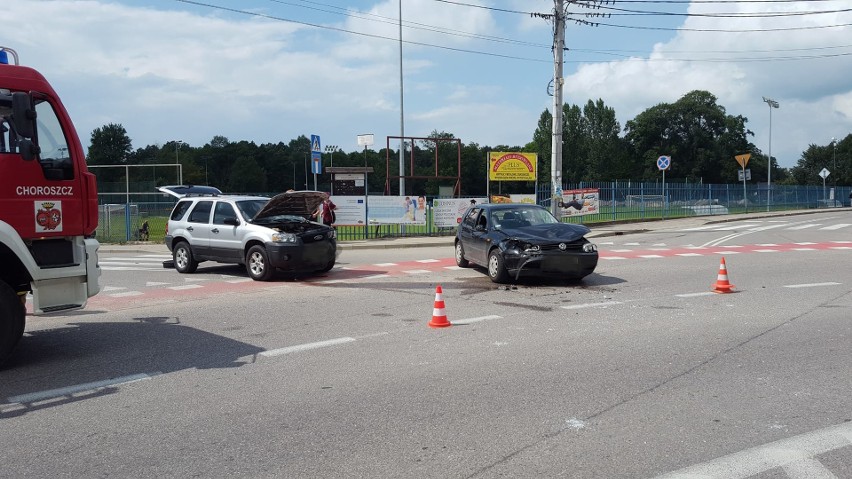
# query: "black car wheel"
(184, 262)
(460, 261)
(257, 264)
(327, 268)
(496, 269)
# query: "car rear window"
(180, 210)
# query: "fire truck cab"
(48, 204)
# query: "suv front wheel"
(257, 264)
(184, 262)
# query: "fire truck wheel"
(184, 262)
(12, 316)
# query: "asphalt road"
(639, 371)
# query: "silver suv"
(261, 233)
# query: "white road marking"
(239, 280)
(621, 250)
(591, 305)
(835, 227)
(695, 295)
(126, 294)
(155, 283)
(71, 390)
(842, 242)
(454, 268)
(726, 252)
(803, 227)
(186, 286)
(476, 320)
(417, 271)
(112, 288)
(612, 257)
(805, 243)
(689, 254)
(427, 260)
(306, 347)
(795, 455)
(811, 285)
(840, 247)
(128, 268)
(766, 251)
(385, 264)
(376, 276)
(804, 249)
(766, 244)
(648, 256)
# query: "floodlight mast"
(772, 104)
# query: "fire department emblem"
(48, 216)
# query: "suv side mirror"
(230, 220)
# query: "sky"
(269, 71)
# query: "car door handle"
(189, 228)
(215, 230)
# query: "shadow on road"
(57, 360)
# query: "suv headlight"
(283, 237)
(589, 248)
(332, 234)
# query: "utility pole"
(556, 142)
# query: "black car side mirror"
(231, 221)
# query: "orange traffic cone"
(722, 285)
(439, 316)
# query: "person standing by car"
(327, 207)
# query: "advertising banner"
(403, 210)
(513, 198)
(350, 211)
(447, 213)
(580, 202)
(503, 166)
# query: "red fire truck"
(48, 204)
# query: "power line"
(368, 35)
(615, 53)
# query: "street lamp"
(177, 145)
(834, 162)
(772, 104)
(331, 149)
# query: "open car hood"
(294, 203)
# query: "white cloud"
(193, 73)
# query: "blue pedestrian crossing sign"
(664, 162)
(315, 144)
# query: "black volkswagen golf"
(514, 240)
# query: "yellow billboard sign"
(503, 166)
(743, 159)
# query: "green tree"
(695, 131)
(603, 146)
(247, 176)
(110, 145)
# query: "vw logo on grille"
(317, 237)
(563, 246)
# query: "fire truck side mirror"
(24, 120)
(23, 114)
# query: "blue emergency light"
(4, 59)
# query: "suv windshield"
(249, 208)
